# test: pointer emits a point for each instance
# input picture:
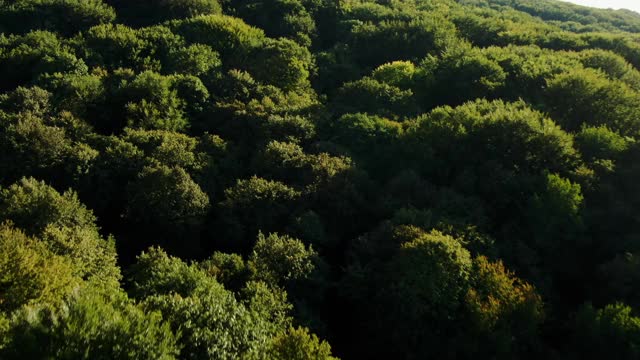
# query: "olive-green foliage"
(34, 100)
(164, 194)
(563, 11)
(4, 327)
(323, 179)
(279, 18)
(423, 285)
(460, 74)
(147, 12)
(587, 97)
(528, 68)
(505, 312)
(414, 278)
(608, 207)
(404, 159)
(62, 16)
(117, 46)
(64, 225)
(212, 325)
(371, 140)
(231, 37)
(554, 236)
(623, 45)
(374, 44)
(427, 274)
(33, 205)
(282, 63)
(261, 112)
(268, 302)
(600, 143)
(286, 161)
(268, 204)
(562, 196)
(533, 133)
(168, 148)
(295, 128)
(484, 28)
(24, 58)
(82, 95)
(152, 48)
(360, 131)
(119, 161)
(154, 104)
(228, 269)
(279, 259)
(612, 330)
(373, 97)
(208, 319)
(156, 273)
(195, 59)
(31, 273)
(297, 343)
(41, 142)
(520, 144)
(612, 64)
(396, 73)
(89, 325)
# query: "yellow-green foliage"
(31, 273)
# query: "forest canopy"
(319, 179)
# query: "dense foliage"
(259, 179)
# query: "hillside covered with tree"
(319, 179)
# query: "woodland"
(319, 179)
